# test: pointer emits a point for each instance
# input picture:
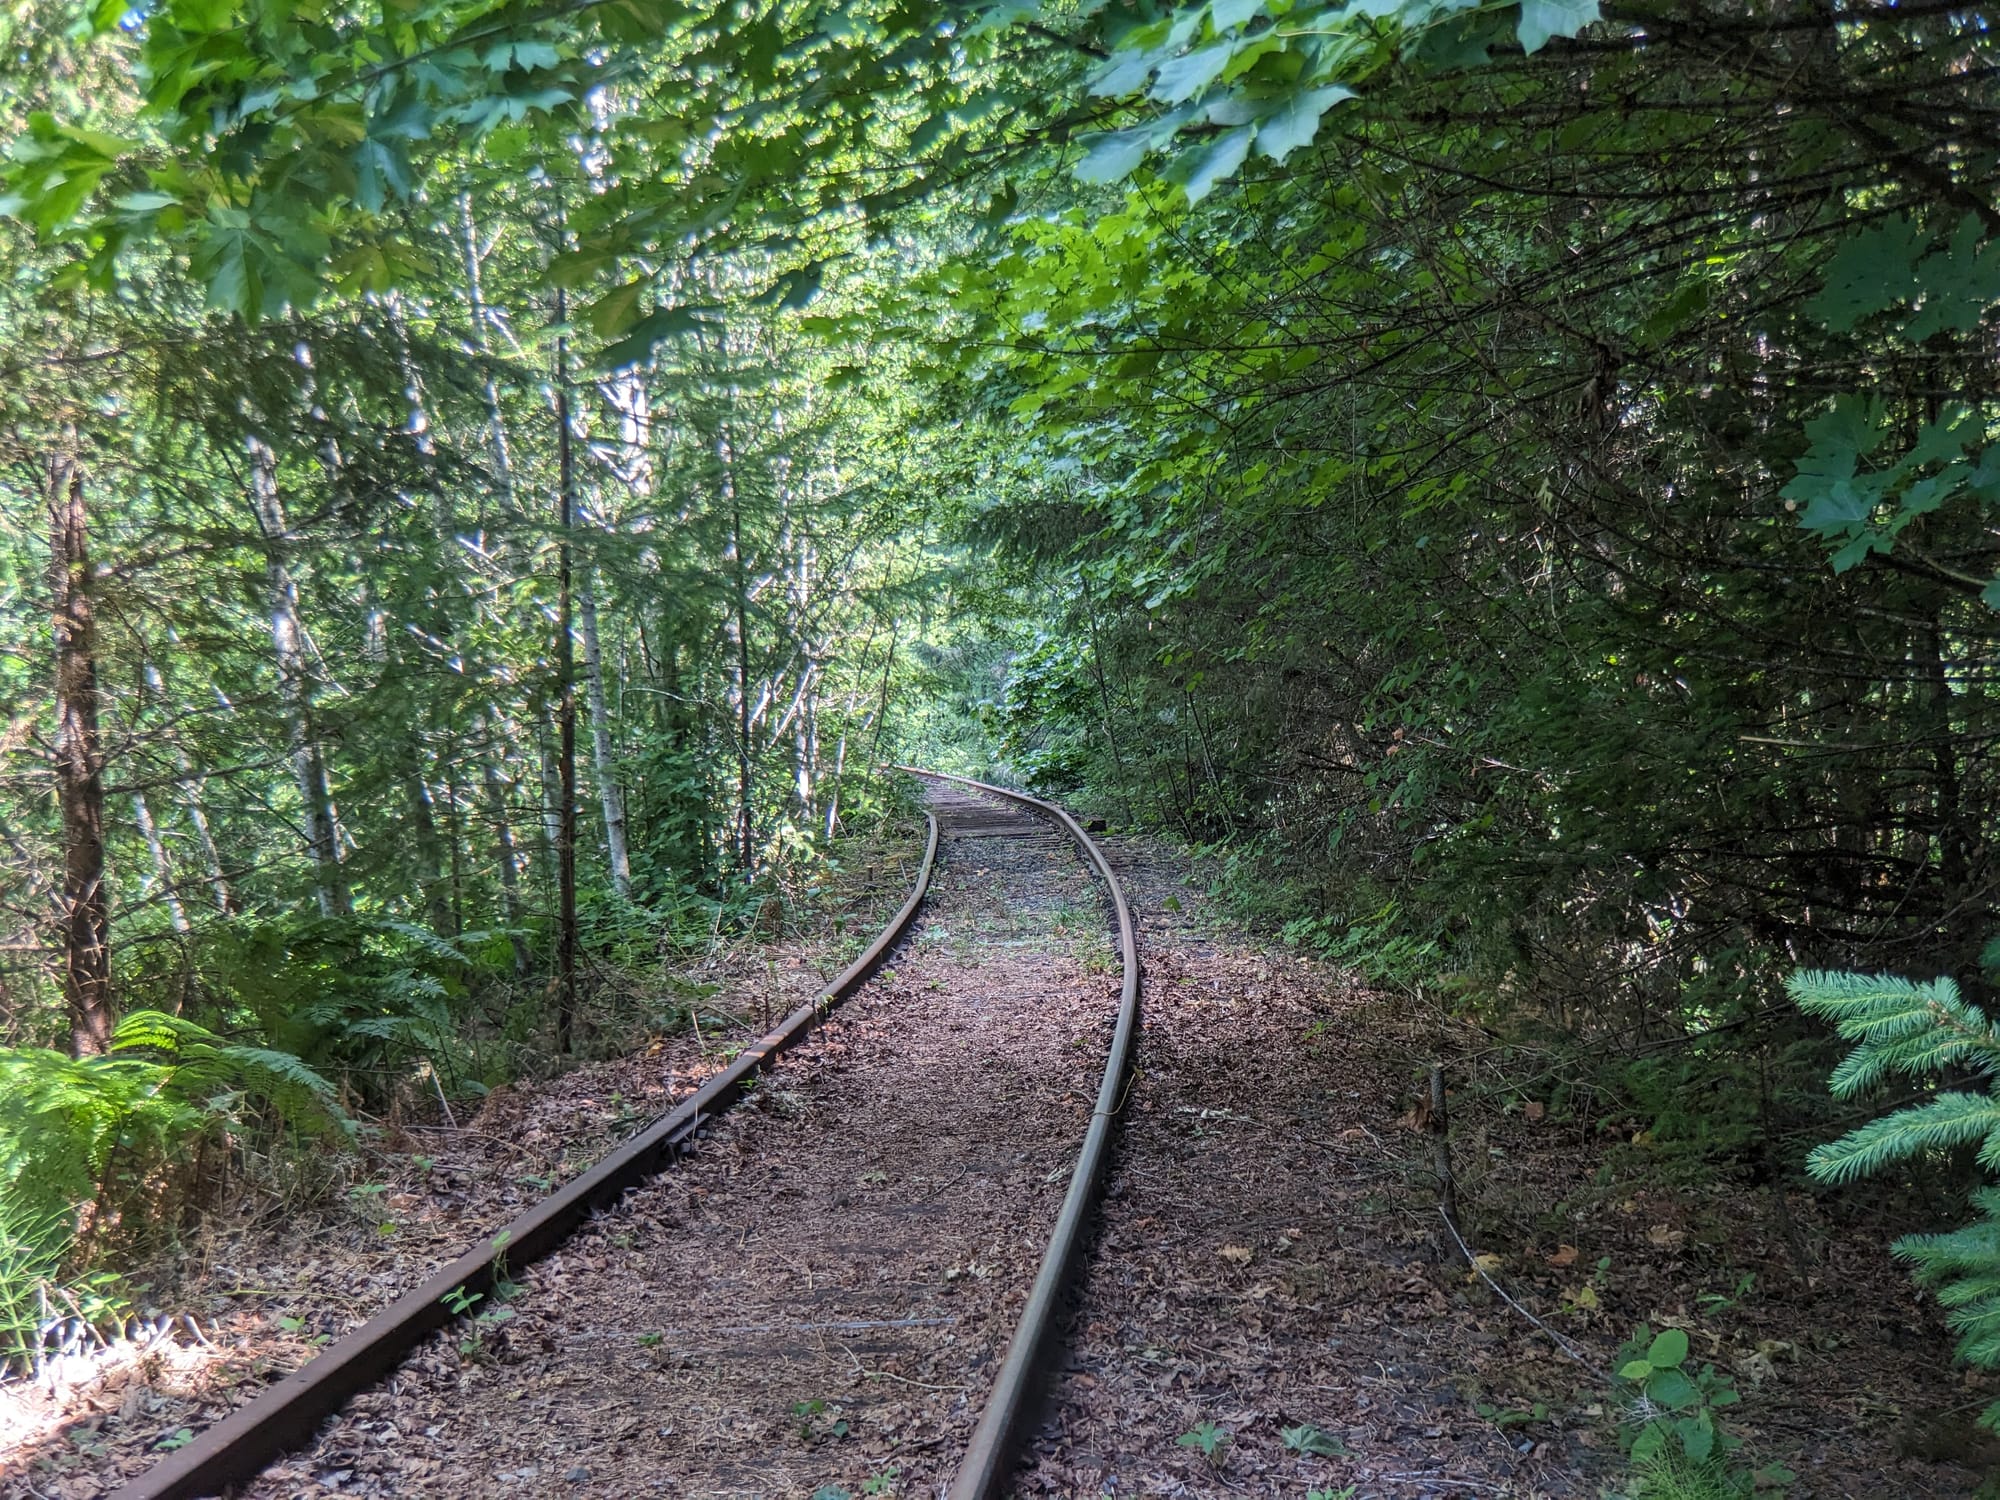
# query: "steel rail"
(989, 1458)
(285, 1416)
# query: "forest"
(1509, 493)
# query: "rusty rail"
(287, 1415)
(989, 1458)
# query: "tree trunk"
(142, 814)
(482, 338)
(551, 780)
(295, 688)
(86, 903)
(881, 714)
(745, 840)
(600, 738)
(566, 934)
(191, 790)
(503, 834)
(428, 845)
(833, 794)
(218, 880)
(1104, 694)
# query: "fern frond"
(303, 1096)
(157, 1030)
(1949, 1120)
(426, 941)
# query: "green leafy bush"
(362, 999)
(76, 1130)
(1919, 1030)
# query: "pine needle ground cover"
(1271, 1262)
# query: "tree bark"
(191, 792)
(745, 839)
(495, 785)
(566, 933)
(428, 843)
(295, 687)
(608, 795)
(86, 904)
(163, 871)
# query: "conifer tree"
(1918, 1031)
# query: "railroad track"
(972, 822)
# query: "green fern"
(219, 1074)
(165, 1083)
(357, 998)
(1916, 1030)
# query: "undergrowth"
(94, 1152)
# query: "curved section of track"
(239, 1446)
(697, 1339)
(989, 1457)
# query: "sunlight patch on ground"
(121, 1378)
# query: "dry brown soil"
(1271, 1256)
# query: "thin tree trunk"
(428, 844)
(86, 904)
(218, 880)
(163, 871)
(191, 789)
(551, 779)
(833, 796)
(295, 688)
(840, 750)
(566, 934)
(805, 748)
(745, 840)
(881, 715)
(503, 833)
(482, 338)
(600, 740)
(453, 834)
(1104, 694)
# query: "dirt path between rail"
(820, 1295)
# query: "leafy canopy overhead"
(283, 144)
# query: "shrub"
(32, 1246)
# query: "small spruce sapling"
(1919, 1030)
